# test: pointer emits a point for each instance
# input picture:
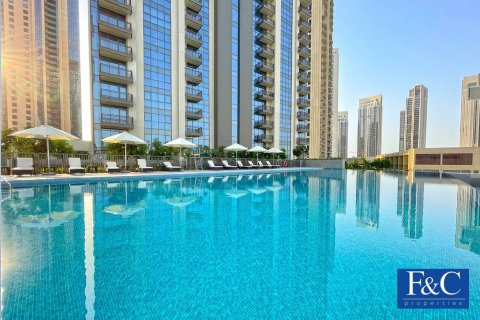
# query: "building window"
(423, 159)
(457, 159)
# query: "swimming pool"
(306, 245)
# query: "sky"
(389, 46)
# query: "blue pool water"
(306, 245)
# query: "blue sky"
(389, 46)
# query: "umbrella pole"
(48, 154)
(236, 157)
(125, 158)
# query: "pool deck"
(29, 181)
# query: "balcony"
(304, 51)
(263, 138)
(306, 2)
(115, 50)
(116, 122)
(264, 95)
(115, 74)
(303, 127)
(193, 39)
(194, 113)
(266, 8)
(304, 38)
(303, 141)
(193, 77)
(195, 5)
(265, 37)
(304, 25)
(193, 58)
(303, 64)
(304, 12)
(115, 98)
(303, 115)
(265, 66)
(266, 24)
(123, 7)
(303, 76)
(263, 124)
(114, 26)
(264, 110)
(193, 20)
(193, 95)
(303, 102)
(264, 81)
(191, 131)
(265, 52)
(303, 89)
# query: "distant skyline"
(387, 47)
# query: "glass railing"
(116, 95)
(194, 55)
(115, 70)
(195, 36)
(193, 73)
(116, 22)
(116, 46)
(116, 119)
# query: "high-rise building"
(335, 114)
(470, 119)
(413, 121)
(342, 129)
(40, 64)
(369, 126)
(215, 72)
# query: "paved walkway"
(28, 181)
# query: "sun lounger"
(75, 166)
(254, 166)
(226, 165)
(24, 166)
(168, 165)
(241, 166)
(271, 165)
(142, 165)
(212, 166)
(260, 165)
(112, 167)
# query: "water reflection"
(368, 199)
(410, 206)
(468, 219)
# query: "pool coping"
(59, 179)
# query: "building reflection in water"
(339, 192)
(410, 206)
(368, 199)
(468, 219)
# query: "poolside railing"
(97, 162)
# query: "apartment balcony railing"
(193, 20)
(263, 124)
(304, 38)
(193, 95)
(306, 3)
(264, 95)
(304, 12)
(266, 8)
(123, 7)
(195, 5)
(265, 66)
(194, 113)
(116, 74)
(303, 141)
(115, 50)
(116, 122)
(303, 115)
(191, 131)
(303, 76)
(263, 138)
(115, 98)
(264, 81)
(193, 58)
(303, 89)
(193, 39)
(304, 25)
(265, 37)
(303, 102)
(264, 110)
(265, 52)
(193, 76)
(303, 64)
(303, 127)
(304, 51)
(266, 23)
(114, 26)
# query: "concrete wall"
(327, 164)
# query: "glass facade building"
(235, 66)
